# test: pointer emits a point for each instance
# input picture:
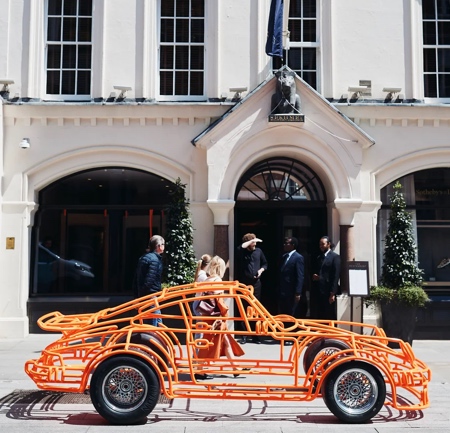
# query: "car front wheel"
(124, 390)
(354, 392)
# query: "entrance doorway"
(280, 198)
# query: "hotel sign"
(286, 118)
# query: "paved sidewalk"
(23, 408)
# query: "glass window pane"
(53, 82)
(197, 8)
(68, 83)
(69, 29)
(54, 29)
(166, 60)
(84, 56)
(295, 28)
(166, 83)
(295, 8)
(85, 8)
(181, 83)
(182, 31)
(69, 56)
(444, 60)
(309, 8)
(197, 57)
(310, 78)
(309, 30)
(444, 33)
(54, 56)
(429, 60)
(182, 57)
(430, 85)
(70, 7)
(54, 7)
(197, 31)
(167, 30)
(182, 8)
(84, 83)
(429, 33)
(309, 59)
(196, 83)
(167, 8)
(428, 10)
(444, 86)
(84, 29)
(295, 58)
(443, 9)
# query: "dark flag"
(274, 44)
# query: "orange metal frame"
(88, 339)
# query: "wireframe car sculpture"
(127, 364)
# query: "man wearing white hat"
(251, 263)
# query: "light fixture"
(123, 91)
(391, 91)
(237, 91)
(6, 82)
(25, 143)
(356, 91)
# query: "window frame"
(435, 47)
(187, 97)
(308, 44)
(64, 96)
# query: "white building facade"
(105, 104)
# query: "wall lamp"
(237, 91)
(123, 91)
(391, 91)
(356, 91)
(25, 143)
(4, 91)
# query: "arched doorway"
(89, 231)
(276, 198)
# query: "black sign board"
(358, 278)
(286, 118)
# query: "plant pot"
(399, 320)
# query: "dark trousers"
(240, 326)
(321, 307)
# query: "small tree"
(400, 267)
(401, 278)
(180, 256)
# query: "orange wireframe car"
(126, 364)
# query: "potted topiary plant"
(400, 293)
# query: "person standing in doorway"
(292, 275)
(149, 270)
(251, 263)
(325, 281)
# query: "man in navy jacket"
(291, 277)
(147, 279)
(325, 285)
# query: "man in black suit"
(325, 285)
(291, 278)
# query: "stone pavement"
(23, 407)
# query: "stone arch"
(41, 175)
(308, 150)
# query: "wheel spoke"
(355, 391)
(123, 388)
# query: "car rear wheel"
(124, 390)
(325, 347)
(354, 392)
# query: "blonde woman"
(223, 344)
(202, 265)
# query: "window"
(303, 47)
(436, 48)
(182, 50)
(69, 49)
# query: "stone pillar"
(347, 209)
(221, 211)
